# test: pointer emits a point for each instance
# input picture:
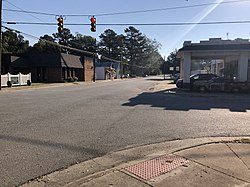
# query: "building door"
(41, 74)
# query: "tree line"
(139, 54)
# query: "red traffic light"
(60, 24)
(93, 20)
(93, 24)
(60, 19)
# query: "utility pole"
(0, 43)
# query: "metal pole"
(121, 67)
(164, 68)
(0, 43)
(94, 59)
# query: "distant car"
(132, 76)
(126, 76)
(195, 78)
(175, 77)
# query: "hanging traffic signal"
(93, 24)
(60, 24)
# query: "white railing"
(16, 80)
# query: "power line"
(50, 42)
(74, 49)
(30, 12)
(23, 10)
(58, 45)
(168, 8)
(71, 48)
(136, 24)
(128, 12)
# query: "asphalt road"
(46, 129)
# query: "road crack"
(237, 156)
(224, 173)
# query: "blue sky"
(171, 37)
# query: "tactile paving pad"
(152, 168)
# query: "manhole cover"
(152, 168)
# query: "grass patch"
(38, 84)
(243, 140)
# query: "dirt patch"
(163, 85)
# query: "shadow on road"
(90, 151)
(173, 99)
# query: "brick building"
(51, 67)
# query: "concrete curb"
(50, 85)
(81, 173)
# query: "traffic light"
(93, 24)
(60, 24)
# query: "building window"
(231, 69)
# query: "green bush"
(70, 79)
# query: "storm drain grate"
(152, 168)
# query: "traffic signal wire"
(169, 8)
(136, 24)
(129, 12)
(30, 14)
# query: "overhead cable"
(128, 12)
(136, 24)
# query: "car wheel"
(202, 89)
(235, 90)
(179, 85)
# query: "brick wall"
(50, 75)
(54, 75)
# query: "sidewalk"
(36, 86)
(197, 162)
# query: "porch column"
(242, 67)
(182, 68)
(217, 67)
(186, 69)
(66, 73)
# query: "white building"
(228, 58)
(107, 70)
